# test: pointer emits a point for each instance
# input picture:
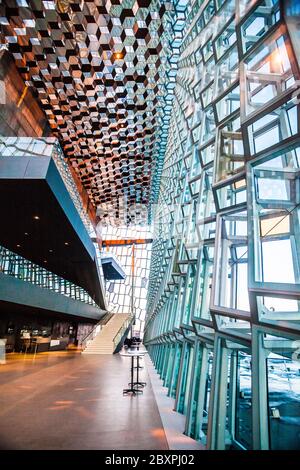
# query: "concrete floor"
(66, 400)
(173, 422)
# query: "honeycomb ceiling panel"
(101, 72)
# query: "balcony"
(36, 189)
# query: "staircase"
(106, 341)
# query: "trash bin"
(2, 350)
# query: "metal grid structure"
(135, 261)
(23, 269)
(104, 73)
(223, 318)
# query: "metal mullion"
(218, 398)
(192, 390)
(181, 374)
(260, 424)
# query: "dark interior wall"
(20, 113)
(57, 327)
(83, 330)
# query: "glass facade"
(222, 324)
(134, 258)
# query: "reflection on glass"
(259, 22)
(186, 319)
(231, 194)
(268, 72)
(208, 125)
(229, 104)
(273, 128)
(226, 72)
(231, 278)
(279, 309)
(277, 219)
(194, 403)
(230, 151)
(225, 40)
(284, 259)
(185, 379)
(207, 393)
(284, 402)
(205, 270)
(175, 371)
(243, 422)
(207, 154)
(206, 206)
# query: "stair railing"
(91, 335)
(121, 332)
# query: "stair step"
(103, 342)
(90, 352)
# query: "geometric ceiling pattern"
(102, 72)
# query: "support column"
(218, 397)
(260, 426)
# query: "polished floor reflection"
(72, 401)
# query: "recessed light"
(45, 261)
(50, 251)
(66, 243)
(19, 246)
(26, 234)
(118, 55)
(36, 217)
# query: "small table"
(138, 383)
(134, 384)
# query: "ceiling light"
(25, 233)
(118, 55)
(36, 217)
(19, 246)
(66, 243)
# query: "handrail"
(127, 319)
(85, 338)
(122, 329)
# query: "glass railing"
(86, 340)
(46, 147)
(89, 338)
(121, 331)
(21, 268)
